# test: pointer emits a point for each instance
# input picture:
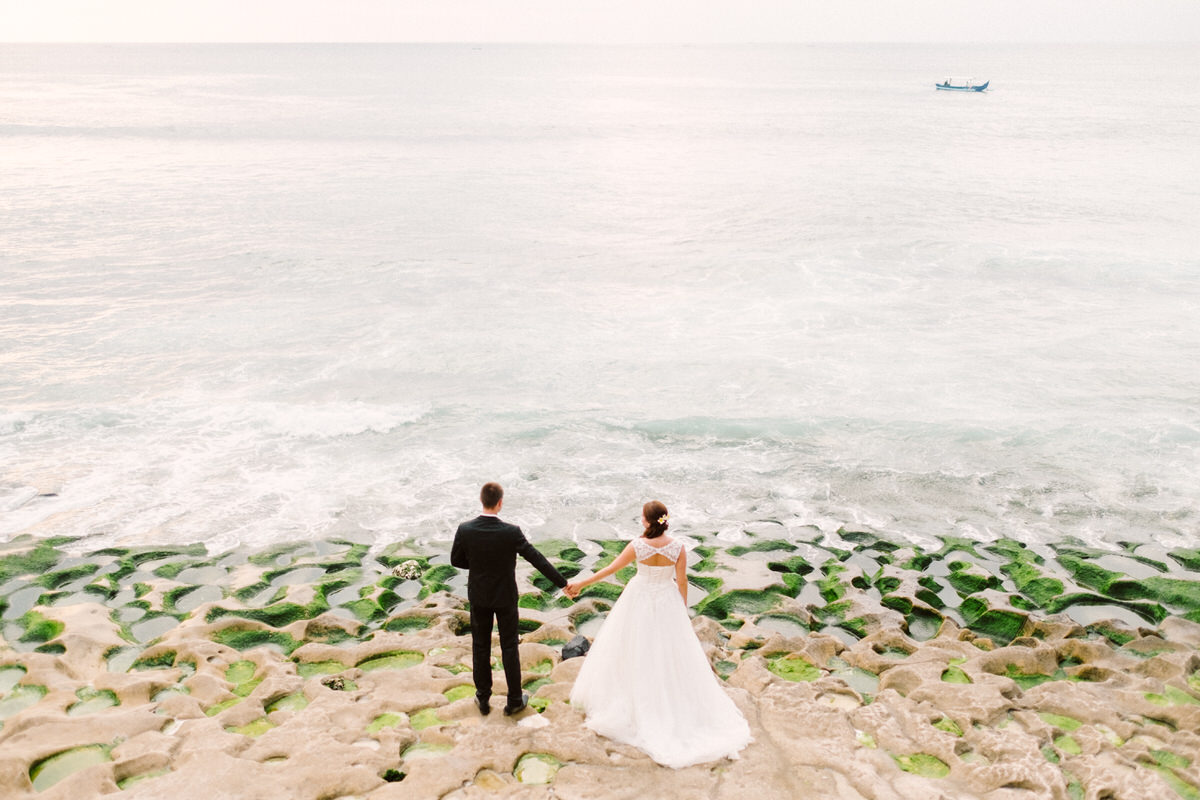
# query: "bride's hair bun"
(656, 514)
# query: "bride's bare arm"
(681, 574)
(624, 559)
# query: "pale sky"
(617, 21)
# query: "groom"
(487, 548)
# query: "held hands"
(572, 590)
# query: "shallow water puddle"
(163, 694)
(289, 702)
(19, 699)
(152, 628)
(134, 780)
(49, 771)
(9, 676)
(398, 660)
(788, 626)
(923, 626)
(91, 701)
(203, 576)
(203, 594)
(121, 659)
(425, 750)
(538, 768)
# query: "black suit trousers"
(506, 618)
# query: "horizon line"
(576, 43)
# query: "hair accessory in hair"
(663, 519)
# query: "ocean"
(263, 293)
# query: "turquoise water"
(257, 293)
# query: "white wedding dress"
(646, 681)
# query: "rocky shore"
(867, 669)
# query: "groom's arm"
(458, 552)
(533, 556)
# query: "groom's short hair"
(491, 494)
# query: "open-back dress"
(646, 681)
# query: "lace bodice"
(644, 550)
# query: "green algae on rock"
(1172, 696)
(743, 601)
(39, 628)
(459, 692)
(240, 671)
(725, 668)
(213, 710)
(253, 729)
(922, 764)
(1063, 723)
(792, 667)
(949, 726)
(536, 768)
(1002, 624)
(49, 771)
(533, 685)
(37, 560)
(248, 638)
(400, 659)
(427, 718)
(795, 564)
(1187, 791)
(1030, 581)
(1177, 592)
(1028, 680)
(278, 615)
(59, 578)
(407, 624)
(863, 581)
(1166, 758)
(762, 546)
(1067, 744)
(389, 719)
(602, 591)
(309, 669)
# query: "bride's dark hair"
(656, 514)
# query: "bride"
(646, 681)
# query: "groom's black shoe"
(485, 707)
(510, 709)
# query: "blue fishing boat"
(961, 85)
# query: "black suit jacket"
(487, 548)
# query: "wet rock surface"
(866, 668)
